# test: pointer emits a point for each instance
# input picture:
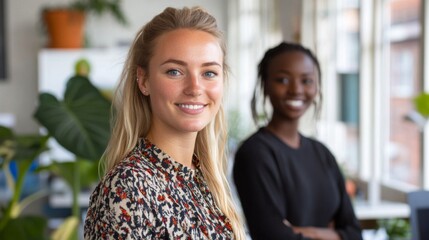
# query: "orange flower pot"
(65, 28)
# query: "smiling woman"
(290, 185)
(166, 158)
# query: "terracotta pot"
(351, 188)
(65, 28)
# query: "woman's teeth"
(188, 106)
(295, 103)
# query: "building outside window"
(402, 33)
(370, 53)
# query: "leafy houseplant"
(420, 114)
(421, 103)
(396, 228)
(80, 123)
(21, 150)
(100, 7)
(65, 24)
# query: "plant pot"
(65, 28)
(351, 188)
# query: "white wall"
(104, 30)
(18, 94)
(290, 17)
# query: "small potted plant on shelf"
(421, 102)
(65, 24)
(420, 114)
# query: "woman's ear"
(142, 81)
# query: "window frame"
(374, 119)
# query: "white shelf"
(56, 66)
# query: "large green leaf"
(20, 147)
(80, 122)
(28, 147)
(5, 133)
(23, 228)
(7, 145)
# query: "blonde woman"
(165, 162)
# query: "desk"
(369, 215)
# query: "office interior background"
(374, 60)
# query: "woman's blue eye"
(173, 72)
(210, 74)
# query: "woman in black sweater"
(290, 186)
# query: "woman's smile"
(191, 108)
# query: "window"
(347, 71)
(402, 38)
(338, 48)
(370, 52)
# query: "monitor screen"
(423, 222)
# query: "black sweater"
(304, 186)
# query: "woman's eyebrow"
(211, 64)
(179, 62)
(183, 63)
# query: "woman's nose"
(295, 87)
(193, 85)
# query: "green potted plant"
(80, 122)
(20, 151)
(420, 114)
(421, 102)
(65, 23)
(396, 228)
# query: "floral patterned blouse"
(150, 196)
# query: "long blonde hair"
(132, 113)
